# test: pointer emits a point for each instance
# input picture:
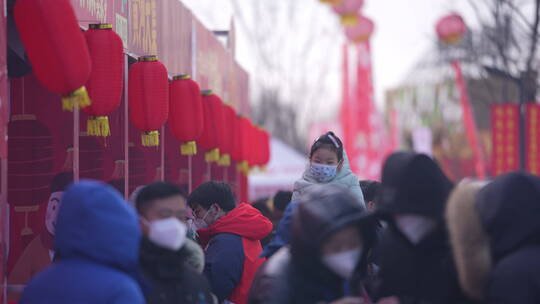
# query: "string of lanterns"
(358, 28)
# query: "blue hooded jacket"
(97, 246)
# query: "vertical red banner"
(532, 142)
(505, 138)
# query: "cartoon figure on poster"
(40, 252)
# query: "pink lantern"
(360, 32)
(348, 10)
(451, 28)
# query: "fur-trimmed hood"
(470, 244)
(489, 223)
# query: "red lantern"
(237, 140)
(265, 148)
(148, 98)
(348, 10)
(451, 29)
(106, 80)
(186, 117)
(244, 143)
(361, 31)
(210, 139)
(228, 128)
(56, 48)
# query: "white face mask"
(414, 227)
(322, 173)
(201, 223)
(168, 233)
(344, 263)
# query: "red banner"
(469, 123)
(532, 142)
(505, 138)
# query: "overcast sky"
(404, 31)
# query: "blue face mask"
(323, 173)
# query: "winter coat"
(296, 274)
(423, 272)
(344, 177)
(282, 236)
(97, 247)
(172, 279)
(495, 235)
(233, 246)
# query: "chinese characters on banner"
(532, 141)
(505, 138)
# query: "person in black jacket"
(326, 262)
(414, 256)
(495, 233)
(164, 256)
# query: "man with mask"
(40, 253)
(414, 256)
(231, 237)
(165, 254)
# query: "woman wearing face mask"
(414, 255)
(327, 259)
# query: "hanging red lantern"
(348, 10)
(56, 48)
(244, 143)
(265, 148)
(227, 145)
(236, 153)
(451, 29)
(186, 117)
(361, 31)
(106, 79)
(148, 96)
(210, 137)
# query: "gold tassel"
(98, 126)
(150, 139)
(225, 160)
(212, 156)
(243, 167)
(78, 98)
(349, 19)
(189, 148)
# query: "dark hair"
(282, 199)
(262, 206)
(370, 189)
(329, 141)
(155, 191)
(211, 193)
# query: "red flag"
(532, 133)
(505, 138)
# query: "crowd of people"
(415, 237)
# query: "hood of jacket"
(244, 220)
(95, 223)
(413, 183)
(509, 210)
(470, 243)
(325, 209)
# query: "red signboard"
(505, 138)
(532, 143)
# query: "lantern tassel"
(349, 19)
(78, 98)
(212, 156)
(98, 126)
(189, 148)
(243, 167)
(150, 139)
(225, 160)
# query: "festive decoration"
(210, 137)
(505, 132)
(243, 143)
(361, 31)
(228, 128)
(106, 79)
(331, 2)
(265, 149)
(148, 98)
(348, 11)
(451, 29)
(56, 48)
(532, 130)
(186, 118)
